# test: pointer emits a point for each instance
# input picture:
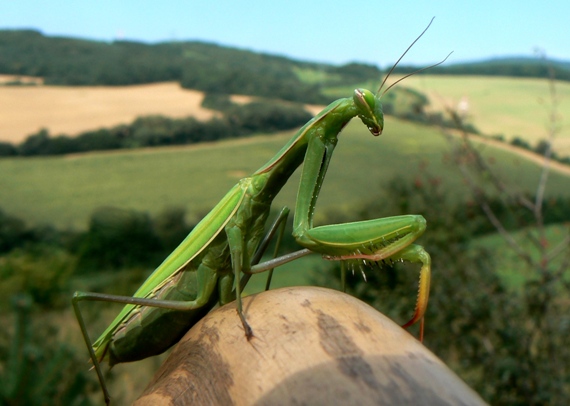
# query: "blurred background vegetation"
(498, 223)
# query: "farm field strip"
(70, 110)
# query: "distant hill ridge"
(212, 68)
(509, 66)
(196, 65)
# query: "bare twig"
(479, 194)
(543, 329)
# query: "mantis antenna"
(414, 72)
(399, 59)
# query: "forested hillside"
(212, 67)
(196, 65)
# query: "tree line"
(235, 120)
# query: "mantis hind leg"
(87, 339)
(101, 297)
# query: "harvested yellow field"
(70, 110)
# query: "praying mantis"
(206, 268)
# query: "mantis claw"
(246, 327)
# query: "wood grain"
(312, 346)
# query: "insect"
(203, 270)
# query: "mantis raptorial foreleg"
(417, 254)
(371, 240)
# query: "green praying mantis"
(206, 268)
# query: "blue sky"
(372, 31)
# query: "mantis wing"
(198, 240)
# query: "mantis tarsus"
(202, 271)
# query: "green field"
(508, 264)
(502, 105)
(64, 191)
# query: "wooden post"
(311, 346)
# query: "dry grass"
(71, 110)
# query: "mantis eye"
(365, 101)
(369, 110)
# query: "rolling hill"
(65, 190)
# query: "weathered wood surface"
(312, 346)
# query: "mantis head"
(369, 110)
(368, 105)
